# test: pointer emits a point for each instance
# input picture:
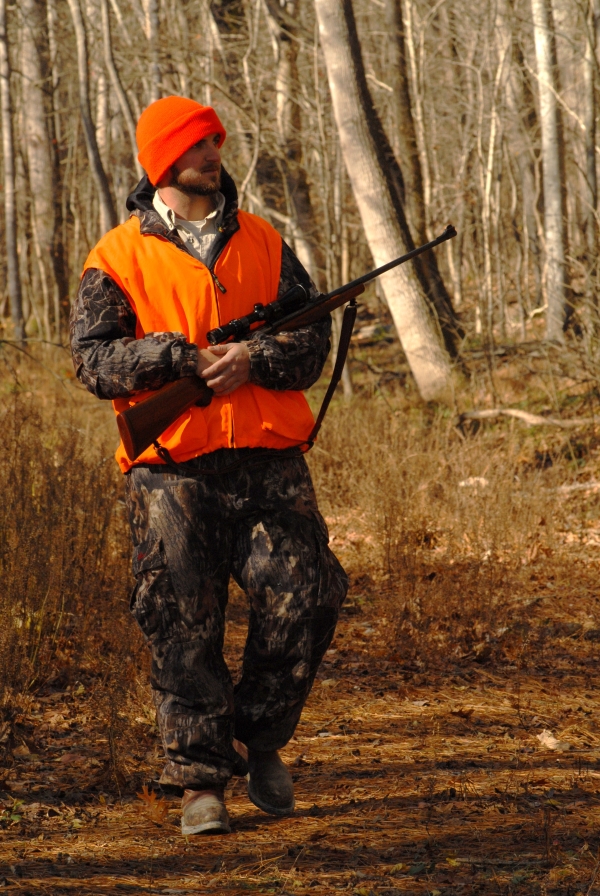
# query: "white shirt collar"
(171, 219)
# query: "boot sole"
(270, 810)
(207, 827)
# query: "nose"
(213, 153)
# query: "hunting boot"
(270, 784)
(204, 812)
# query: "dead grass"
(471, 628)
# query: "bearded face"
(203, 181)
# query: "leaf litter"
(428, 780)
(425, 761)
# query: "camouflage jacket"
(112, 363)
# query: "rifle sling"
(343, 345)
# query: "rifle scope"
(293, 300)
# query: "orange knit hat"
(168, 128)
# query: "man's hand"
(230, 371)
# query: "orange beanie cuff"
(168, 128)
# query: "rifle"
(141, 425)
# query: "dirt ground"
(481, 777)
(451, 743)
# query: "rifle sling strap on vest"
(343, 345)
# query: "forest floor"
(440, 783)
(451, 743)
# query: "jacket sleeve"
(108, 358)
(295, 359)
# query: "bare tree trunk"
(403, 136)
(53, 48)
(589, 80)
(10, 209)
(116, 84)
(37, 117)
(289, 132)
(108, 215)
(102, 118)
(341, 246)
(553, 170)
(359, 132)
(151, 16)
(406, 149)
(522, 125)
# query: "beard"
(196, 183)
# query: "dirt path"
(407, 782)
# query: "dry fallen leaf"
(156, 809)
(547, 740)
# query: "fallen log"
(526, 417)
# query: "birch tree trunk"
(102, 118)
(151, 16)
(10, 209)
(289, 131)
(406, 149)
(36, 116)
(589, 80)
(375, 196)
(108, 215)
(115, 80)
(552, 170)
(522, 125)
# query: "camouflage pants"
(260, 524)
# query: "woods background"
(484, 115)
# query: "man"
(227, 491)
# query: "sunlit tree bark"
(289, 132)
(10, 210)
(38, 121)
(589, 80)
(553, 169)
(375, 196)
(115, 81)
(108, 216)
(404, 143)
(151, 14)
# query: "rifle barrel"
(448, 233)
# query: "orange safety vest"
(170, 291)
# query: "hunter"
(227, 491)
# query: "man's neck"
(186, 206)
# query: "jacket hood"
(141, 197)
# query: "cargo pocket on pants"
(153, 603)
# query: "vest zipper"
(218, 282)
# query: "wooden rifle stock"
(142, 424)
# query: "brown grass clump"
(443, 524)
(449, 745)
